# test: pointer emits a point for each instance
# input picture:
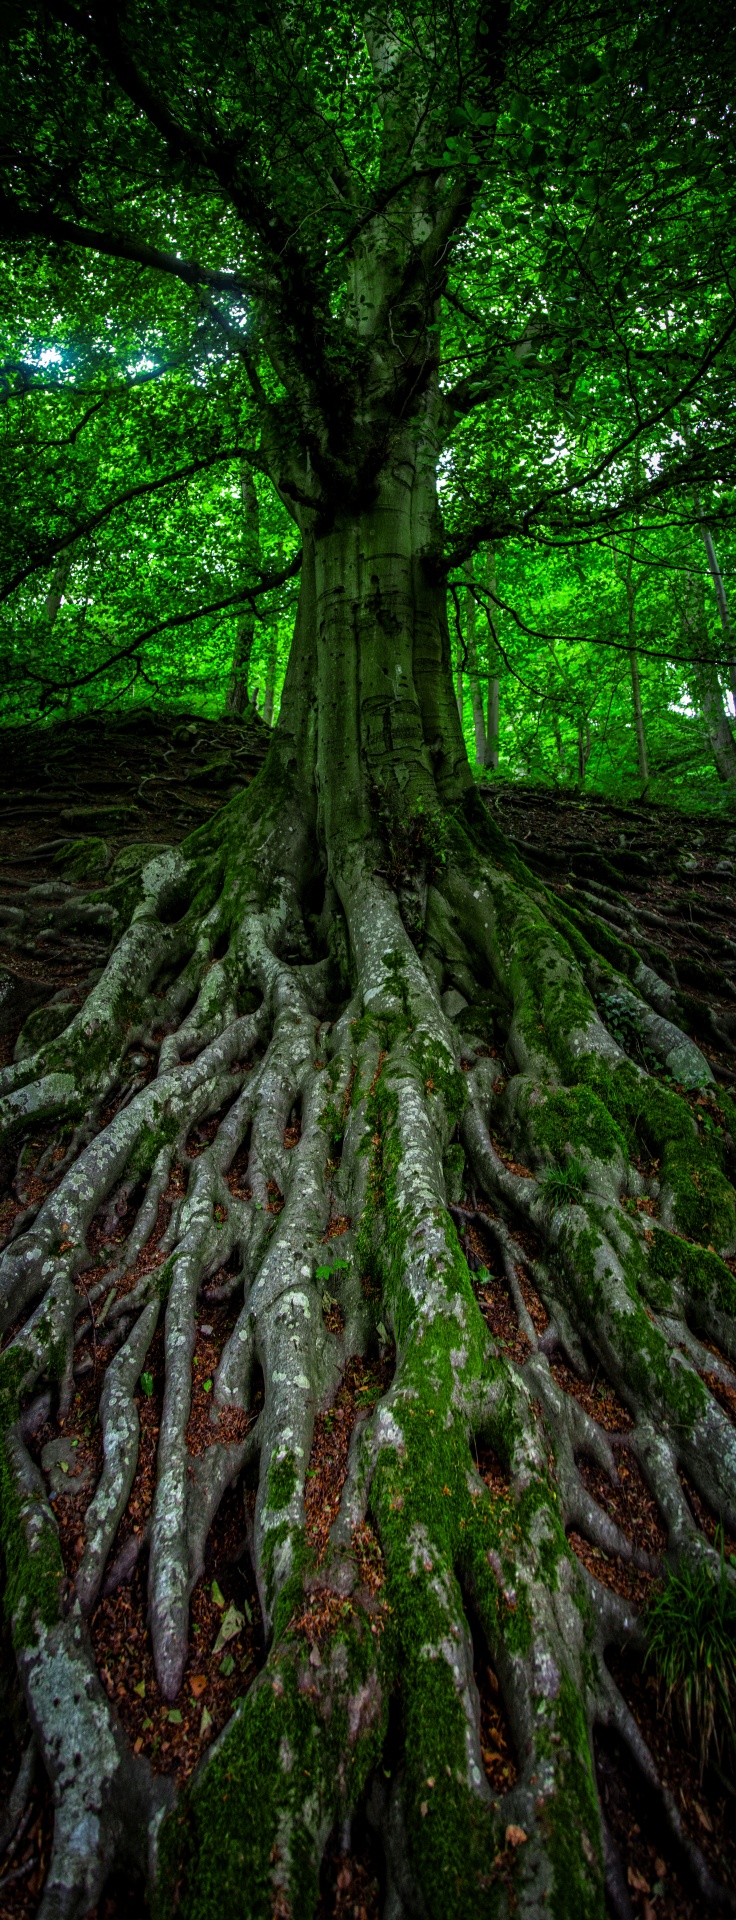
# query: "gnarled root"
(265, 1026)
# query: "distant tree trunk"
(631, 591)
(722, 599)
(641, 745)
(584, 746)
(474, 671)
(492, 727)
(236, 699)
(268, 698)
(705, 686)
(55, 593)
(560, 745)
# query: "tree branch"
(267, 584)
(48, 553)
(20, 223)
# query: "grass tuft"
(565, 1186)
(691, 1640)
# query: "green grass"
(564, 1186)
(691, 1640)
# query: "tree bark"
(236, 699)
(724, 611)
(479, 726)
(705, 685)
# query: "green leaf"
(147, 1384)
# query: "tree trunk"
(474, 673)
(58, 582)
(493, 723)
(236, 699)
(630, 589)
(641, 744)
(560, 745)
(705, 685)
(724, 611)
(360, 899)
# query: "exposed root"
(250, 1128)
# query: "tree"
(349, 201)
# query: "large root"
(348, 1065)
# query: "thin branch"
(267, 584)
(45, 555)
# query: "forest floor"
(152, 779)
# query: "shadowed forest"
(368, 960)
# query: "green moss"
(288, 1767)
(34, 1569)
(84, 859)
(331, 1120)
(149, 1143)
(703, 1275)
(571, 1118)
(455, 1174)
(573, 1818)
(440, 1075)
(281, 1480)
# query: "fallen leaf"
(232, 1624)
(704, 1818)
(198, 1683)
(205, 1722)
(423, 1809)
(218, 1597)
(515, 1836)
(174, 1717)
(636, 1879)
(141, 1689)
(137, 1745)
(660, 1869)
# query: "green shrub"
(690, 1625)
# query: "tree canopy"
(185, 203)
(369, 1140)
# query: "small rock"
(62, 1468)
(18, 998)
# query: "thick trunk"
(359, 897)
(389, 730)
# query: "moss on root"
(294, 1759)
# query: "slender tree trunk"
(492, 726)
(474, 672)
(724, 610)
(560, 745)
(55, 593)
(705, 685)
(641, 745)
(631, 591)
(236, 699)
